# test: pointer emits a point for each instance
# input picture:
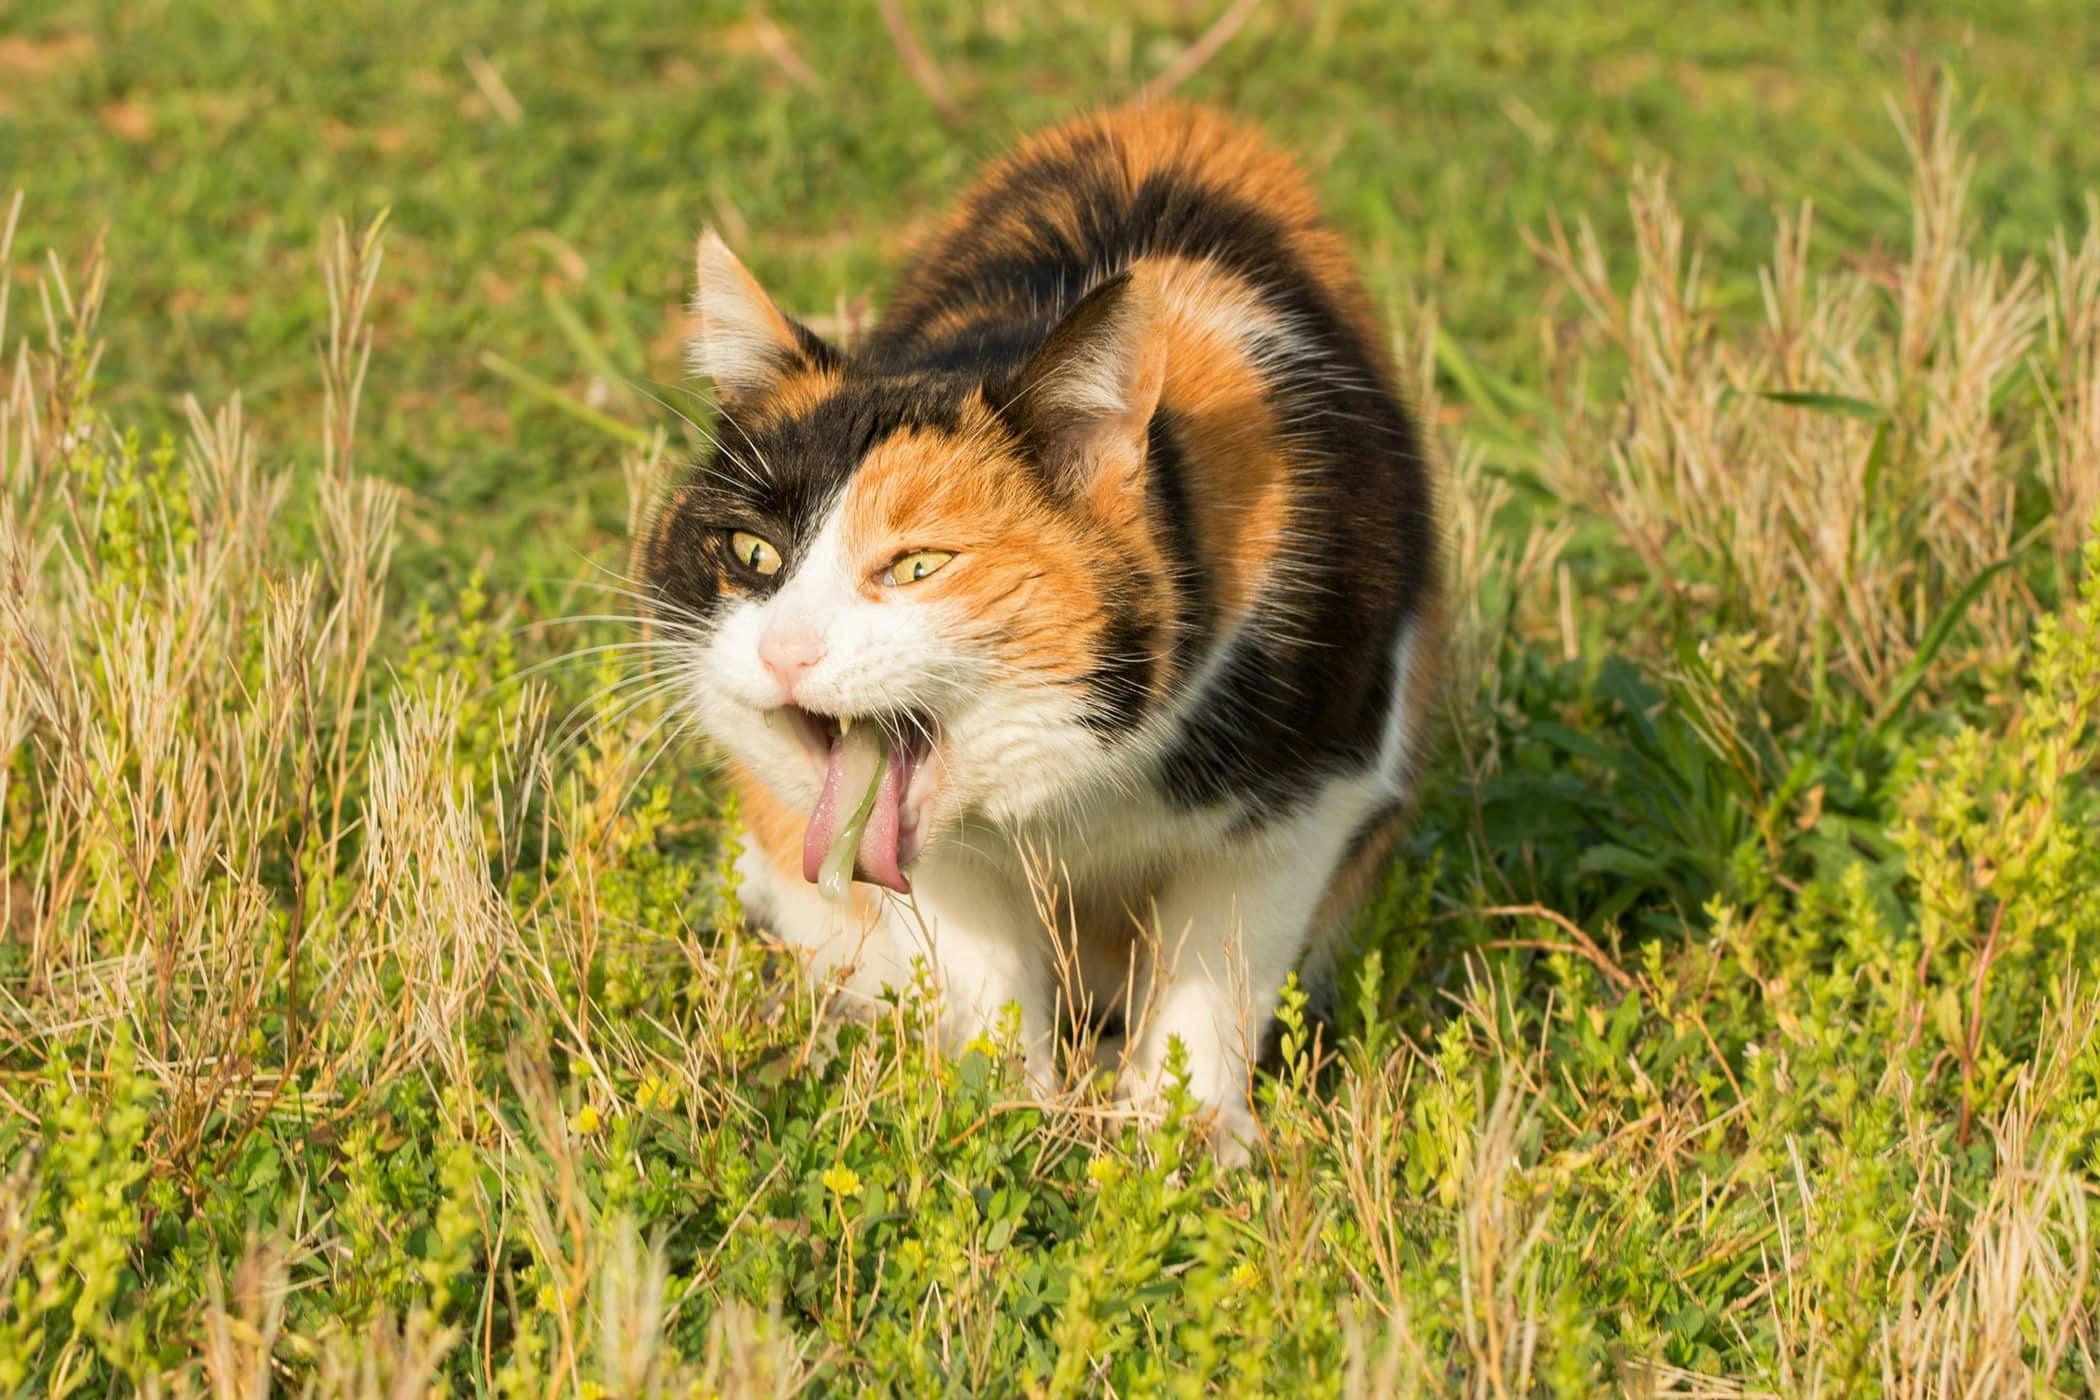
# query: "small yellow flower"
(841, 1180)
(1104, 1171)
(983, 1044)
(1244, 1276)
(586, 1121)
(549, 1298)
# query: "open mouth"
(866, 824)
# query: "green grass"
(1439, 134)
(374, 1008)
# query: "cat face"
(958, 566)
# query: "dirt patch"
(36, 57)
(130, 119)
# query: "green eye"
(912, 567)
(754, 553)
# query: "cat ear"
(741, 340)
(1085, 399)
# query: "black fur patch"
(1167, 496)
(778, 478)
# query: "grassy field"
(377, 1014)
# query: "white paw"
(1233, 1133)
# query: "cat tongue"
(863, 769)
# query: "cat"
(1118, 544)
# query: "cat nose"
(789, 654)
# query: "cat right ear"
(1085, 399)
(741, 340)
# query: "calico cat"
(1108, 565)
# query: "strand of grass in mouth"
(836, 874)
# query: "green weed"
(377, 1010)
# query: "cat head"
(955, 561)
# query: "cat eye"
(910, 568)
(753, 553)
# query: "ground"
(376, 1002)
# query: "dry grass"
(302, 892)
(1843, 517)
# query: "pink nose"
(789, 655)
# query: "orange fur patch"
(794, 397)
(1237, 474)
(1031, 576)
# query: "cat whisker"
(676, 723)
(584, 718)
(643, 646)
(682, 631)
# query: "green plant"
(377, 1009)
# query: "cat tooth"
(845, 725)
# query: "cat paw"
(1230, 1129)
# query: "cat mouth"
(872, 795)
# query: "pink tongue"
(877, 861)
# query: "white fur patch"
(1220, 306)
(1396, 742)
(1098, 384)
(740, 337)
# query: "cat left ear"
(741, 340)
(1085, 399)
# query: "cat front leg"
(979, 937)
(1232, 923)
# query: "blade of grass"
(555, 397)
(594, 355)
(1929, 646)
(1839, 405)
(1492, 393)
